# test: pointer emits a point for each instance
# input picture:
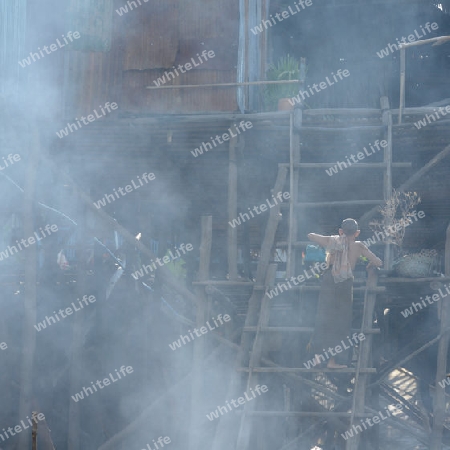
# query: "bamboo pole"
(29, 332)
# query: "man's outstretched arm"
(323, 241)
(373, 259)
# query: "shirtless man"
(334, 311)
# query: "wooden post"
(76, 367)
(34, 431)
(439, 401)
(359, 392)
(402, 82)
(294, 159)
(199, 344)
(232, 211)
(255, 361)
(29, 332)
(205, 248)
(387, 185)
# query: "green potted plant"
(287, 68)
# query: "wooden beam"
(29, 318)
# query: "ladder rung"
(303, 330)
(223, 283)
(302, 414)
(414, 280)
(359, 165)
(303, 370)
(337, 203)
(312, 288)
(302, 244)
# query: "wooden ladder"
(257, 319)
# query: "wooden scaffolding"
(252, 359)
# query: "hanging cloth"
(339, 247)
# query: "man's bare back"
(356, 249)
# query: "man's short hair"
(349, 226)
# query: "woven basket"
(417, 265)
